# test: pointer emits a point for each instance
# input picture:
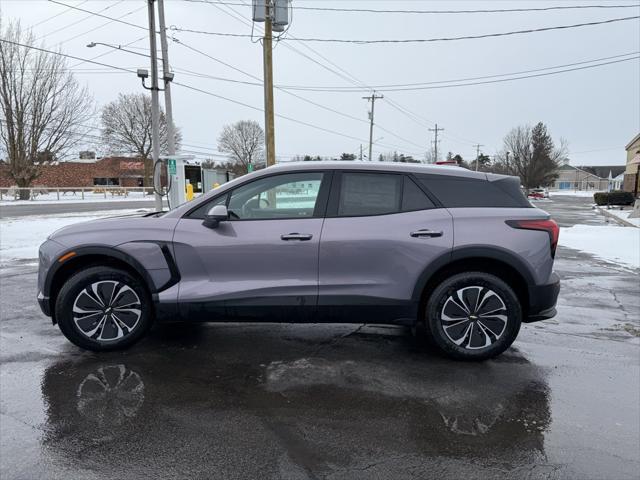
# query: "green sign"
(171, 165)
(250, 168)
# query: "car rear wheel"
(473, 316)
(103, 308)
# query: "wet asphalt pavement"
(53, 208)
(330, 401)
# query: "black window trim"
(336, 187)
(318, 212)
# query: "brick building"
(122, 171)
(631, 176)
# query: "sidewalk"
(620, 216)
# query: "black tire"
(131, 322)
(497, 320)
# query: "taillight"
(549, 226)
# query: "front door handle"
(296, 236)
(426, 233)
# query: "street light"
(95, 44)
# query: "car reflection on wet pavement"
(327, 401)
(211, 405)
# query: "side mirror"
(215, 215)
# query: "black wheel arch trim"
(480, 251)
(117, 254)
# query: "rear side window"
(369, 194)
(470, 192)
(413, 198)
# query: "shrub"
(617, 197)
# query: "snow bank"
(624, 215)
(571, 193)
(21, 237)
(612, 243)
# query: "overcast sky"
(597, 110)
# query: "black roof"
(603, 172)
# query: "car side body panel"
(373, 261)
(244, 269)
(485, 229)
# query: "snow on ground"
(624, 215)
(20, 238)
(572, 193)
(612, 243)
(52, 197)
(88, 197)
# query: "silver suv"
(461, 254)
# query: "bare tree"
(43, 106)
(126, 128)
(531, 154)
(243, 142)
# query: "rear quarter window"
(471, 192)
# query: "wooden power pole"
(478, 154)
(267, 54)
(435, 143)
(372, 99)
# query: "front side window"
(369, 194)
(292, 195)
(202, 210)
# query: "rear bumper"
(542, 300)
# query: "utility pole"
(478, 154)
(155, 107)
(360, 152)
(267, 58)
(435, 143)
(167, 76)
(372, 99)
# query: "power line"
(77, 21)
(237, 102)
(333, 89)
(55, 16)
(517, 78)
(108, 52)
(420, 40)
(97, 14)
(345, 75)
(433, 12)
(65, 55)
(103, 25)
(456, 80)
(284, 90)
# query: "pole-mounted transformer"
(279, 12)
(259, 10)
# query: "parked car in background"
(460, 253)
(539, 193)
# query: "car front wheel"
(473, 316)
(103, 308)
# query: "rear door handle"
(426, 233)
(296, 236)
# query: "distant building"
(122, 171)
(587, 178)
(633, 164)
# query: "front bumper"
(45, 306)
(542, 300)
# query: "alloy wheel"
(474, 317)
(107, 310)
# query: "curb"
(615, 218)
